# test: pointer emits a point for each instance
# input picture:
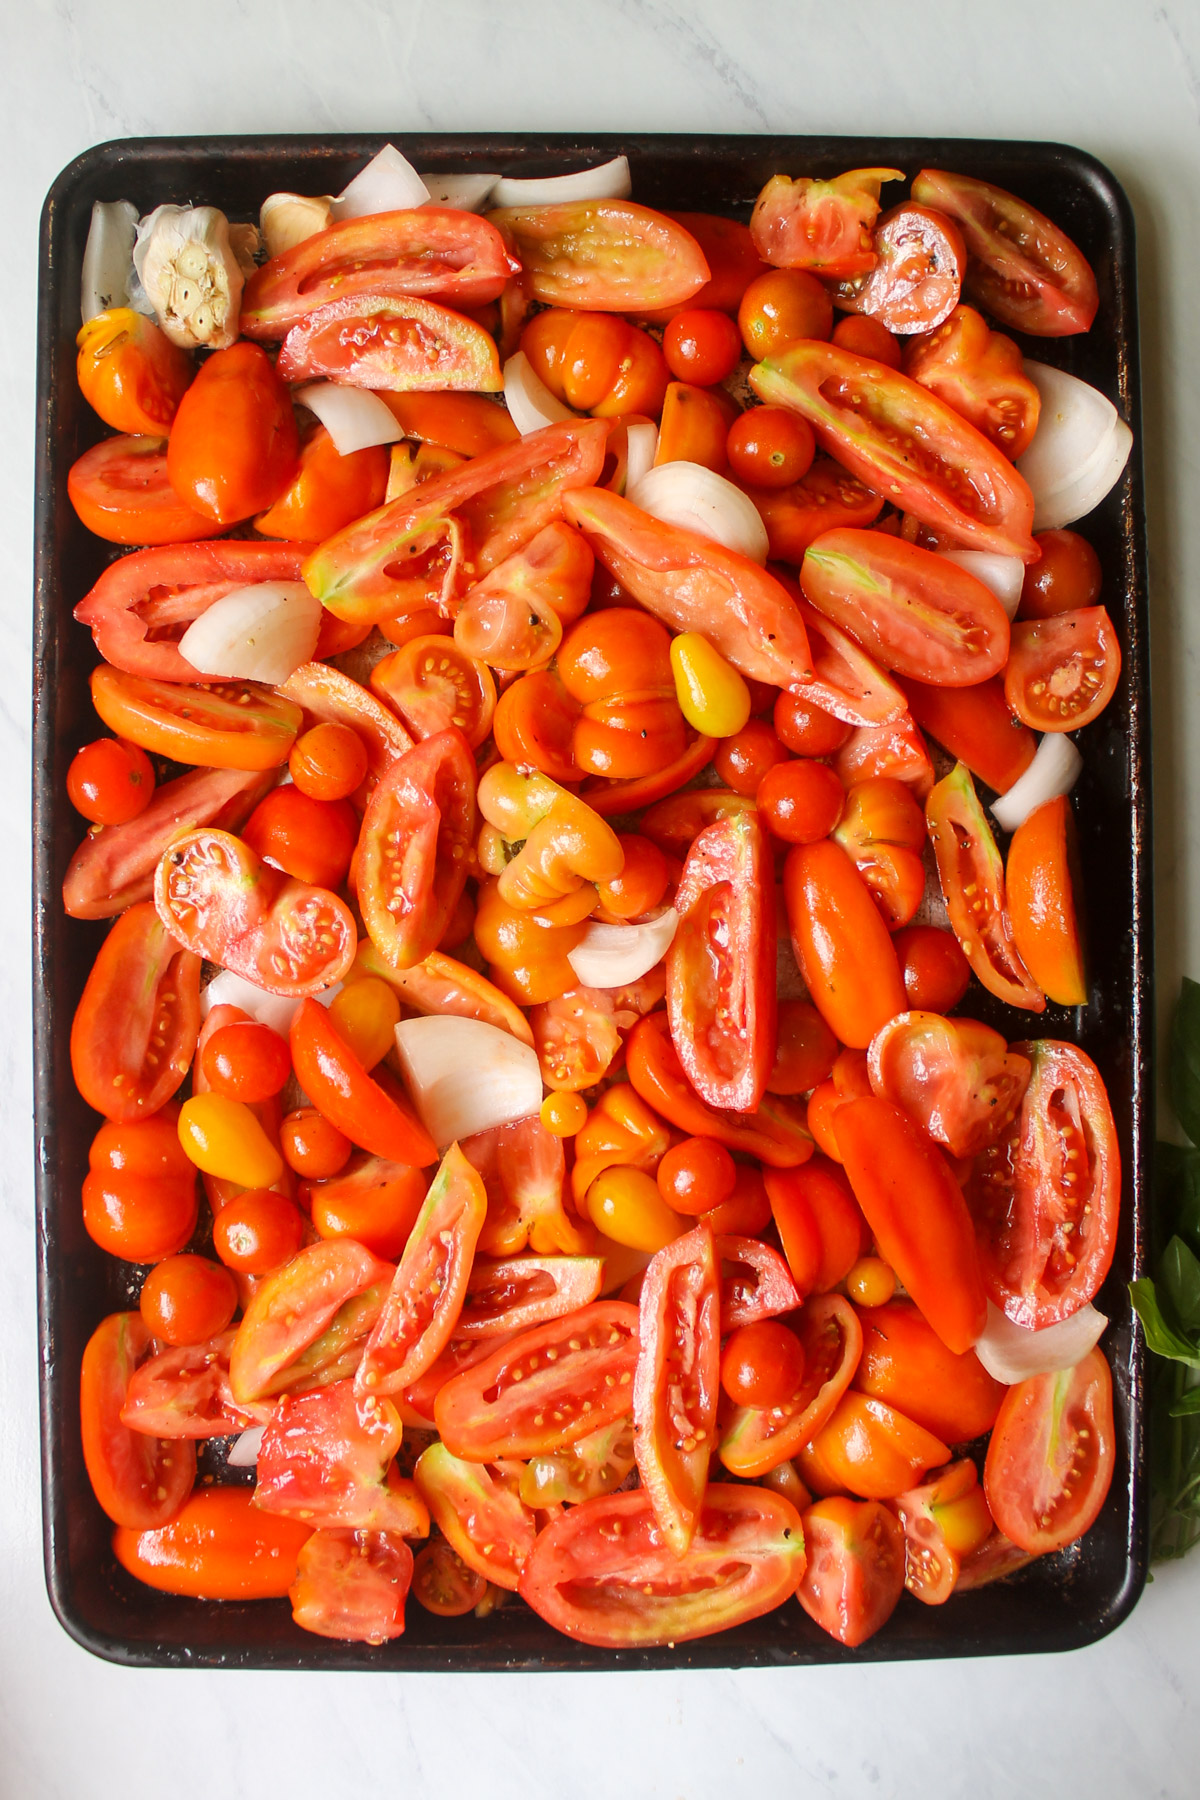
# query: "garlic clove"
(245, 242)
(187, 266)
(286, 220)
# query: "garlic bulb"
(286, 220)
(186, 264)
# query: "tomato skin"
(292, 1310)
(142, 986)
(109, 782)
(604, 255)
(917, 279)
(676, 1379)
(336, 1082)
(806, 729)
(805, 1049)
(218, 1546)
(120, 490)
(758, 1439)
(233, 447)
(696, 1175)
(774, 1133)
(855, 1573)
(245, 1060)
(800, 801)
(140, 1481)
(979, 373)
(439, 984)
(929, 1240)
(976, 725)
(841, 943)
(1039, 877)
(596, 362)
(905, 1362)
(138, 1217)
(1067, 578)
(1050, 1461)
(352, 1585)
(588, 1569)
(744, 760)
(326, 491)
(761, 1364)
(409, 884)
(1063, 671)
(312, 1146)
(935, 971)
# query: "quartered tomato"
(480, 1511)
(905, 1362)
(825, 226)
(233, 447)
(1045, 1199)
(576, 1038)
(1050, 1462)
(352, 1585)
(183, 1391)
(352, 1100)
(1041, 876)
(756, 1283)
(327, 491)
(604, 1574)
(130, 371)
(121, 491)
(972, 878)
(676, 1380)
(443, 1584)
(732, 259)
(398, 343)
(327, 1458)
(139, 1480)
(855, 1571)
(308, 1306)
(977, 726)
(901, 440)
(604, 255)
(775, 1132)
(412, 852)
(918, 274)
(1022, 268)
(694, 426)
(218, 1546)
(223, 725)
(955, 1076)
(979, 372)
(721, 965)
(135, 1029)
(882, 830)
(944, 1520)
(1063, 670)
(758, 1439)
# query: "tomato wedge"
(223, 725)
(604, 255)
(342, 1090)
(845, 681)
(955, 1076)
(918, 273)
(593, 1466)
(913, 611)
(439, 984)
(135, 1029)
(758, 1439)
(855, 1573)
(465, 423)
(352, 1585)
(775, 1132)
(944, 1520)
(1022, 268)
(412, 853)
(977, 726)
(824, 499)
(397, 343)
(980, 374)
(480, 1512)
(603, 1573)
(896, 750)
(327, 491)
(219, 900)
(327, 1458)
(900, 439)
(184, 1393)
(522, 1401)
(1045, 1199)
(516, 1292)
(120, 490)
(140, 1481)
(1041, 875)
(675, 1384)
(1050, 1462)
(820, 225)
(721, 965)
(675, 823)
(292, 1310)
(218, 1546)
(841, 943)
(972, 878)
(1064, 670)
(432, 250)
(756, 1283)
(523, 1169)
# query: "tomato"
(589, 1570)
(906, 1363)
(418, 827)
(139, 1195)
(328, 762)
(755, 1282)
(310, 839)
(696, 1175)
(576, 1038)
(800, 801)
(1067, 578)
(676, 1380)
(935, 970)
(315, 1304)
(120, 490)
(326, 1458)
(466, 423)
(352, 1585)
(694, 584)
(855, 1571)
(882, 830)
(130, 372)
(218, 1546)
(484, 1518)
(258, 1231)
(917, 1214)
(822, 1231)
(438, 251)
(246, 1061)
(326, 696)
(520, 1401)
(311, 1145)
(513, 618)
(366, 1014)
(702, 345)
(1063, 670)
(616, 666)
(143, 603)
(900, 439)
(769, 447)
(109, 782)
(442, 1582)
(596, 362)
(721, 965)
(435, 685)
(774, 1133)
(186, 1299)
(807, 729)
(694, 426)
(221, 902)
(977, 726)
(865, 336)
(394, 342)
(826, 498)
(871, 1282)
(732, 259)
(233, 447)
(136, 1025)
(874, 1451)
(184, 1392)
(140, 1481)
(954, 1076)
(1050, 1461)
(1045, 1199)
(1041, 875)
(758, 1439)
(224, 725)
(527, 952)
(762, 1364)
(339, 1086)
(972, 878)
(744, 760)
(520, 1291)
(439, 984)
(779, 306)
(1022, 268)
(643, 880)
(820, 225)
(327, 491)
(604, 255)
(534, 725)
(979, 373)
(609, 798)
(918, 276)
(841, 943)
(372, 1200)
(804, 1049)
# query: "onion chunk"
(611, 956)
(388, 183)
(355, 418)
(609, 181)
(697, 499)
(1012, 1353)
(1054, 770)
(258, 633)
(466, 1075)
(530, 403)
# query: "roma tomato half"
(233, 447)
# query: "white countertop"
(1120, 78)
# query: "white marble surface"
(1122, 79)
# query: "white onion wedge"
(697, 499)
(1054, 770)
(466, 1076)
(530, 403)
(355, 418)
(389, 183)
(108, 257)
(610, 956)
(1082, 496)
(466, 193)
(243, 1452)
(228, 989)
(642, 444)
(608, 181)
(258, 633)
(1078, 450)
(1012, 1353)
(1002, 574)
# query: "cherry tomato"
(120, 490)
(139, 1480)
(934, 968)
(366, 1014)
(871, 1282)
(702, 346)
(627, 1206)
(186, 1299)
(135, 1029)
(246, 1061)
(800, 801)
(233, 446)
(866, 336)
(534, 725)
(918, 276)
(770, 447)
(312, 1146)
(110, 782)
(757, 1439)
(130, 372)
(1050, 1461)
(743, 760)
(694, 426)
(780, 306)
(1067, 579)
(855, 1572)
(442, 1582)
(805, 729)
(805, 1049)
(1063, 670)
(434, 685)
(139, 1195)
(564, 1115)
(762, 1364)
(696, 1175)
(225, 1138)
(906, 1363)
(310, 839)
(222, 725)
(217, 1546)
(327, 491)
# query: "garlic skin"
(186, 264)
(286, 220)
(245, 241)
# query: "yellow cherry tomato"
(223, 1138)
(712, 696)
(871, 1282)
(625, 1205)
(564, 1114)
(366, 1014)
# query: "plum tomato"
(233, 446)
(906, 1363)
(327, 491)
(138, 1020)
(1051, 1457)
(130, 372)
(120, 490)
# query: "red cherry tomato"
(1067, 578)
(696, 1176)
(312, 1146)
(310, 839)
(808, 730)
(702, 346)
(246, 1061)
(1063, 670)
(770, 447)
(187, 1299)
(800, 801)
(762, 1364)
(743, 760)
(258, 1231)
(934, 968)
(805, 1049)
(110, 782)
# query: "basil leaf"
(1188, 1405)
(1179, 1277)
(1177, 1193)
(1162, 1338)
(1184, 1068)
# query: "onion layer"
(1078, 451)
(258, 633)
(697, 499)
(1012, 1353)
(641, 441)
(228, 989)
(611, 956)
(530, 403)
(389, 183)
(355, 418)
(243, 1452)
(609, 181)
(1002, 574)
(466, 1076)
(466, 193)
(1053, 771)
(108, 257)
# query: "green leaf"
(1162, 1338)
(1177, 1193)
(1179, 1278)
(1189, 1404)
(1184, 1070)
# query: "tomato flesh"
(675, 1383)
(1050, 1461)
(141, 1481)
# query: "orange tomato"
(873, 1450)
(470, 424)
(616, 665)
(905, 1362)
(534, 725)
(130, 372)
(596, 362)
(233, 446)
(695, 425)
(841, 943)
(327, 491)
(218, 1546)
(1041, 901)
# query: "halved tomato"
(979, 373)
(216, 1547)
(292, 1310)
(827, 498)
(855, 1571)
(140, 1481)
(352, 1585)
(412, 853)
(918, 273)
(825, 226)
(135, 1029)
(120, 490)
(676, 1382)
(1064, 670)
(775, 1133)
(480, 1511)
(442, 1582)
(955, 1076)
(882, 831)
(604, 255)
(184, 1393)
(1041, 874)
(896, 750)
(845, 681)
(592, 1466)
(977, 726)
(756, 1282)
(222, 725)
(220, 901)
(327, 491)
(395, 342)
(434, 684)
(327, 1458)
(604, 1574)
(758, 1439)
(1050, 1462)
(516, 1292)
